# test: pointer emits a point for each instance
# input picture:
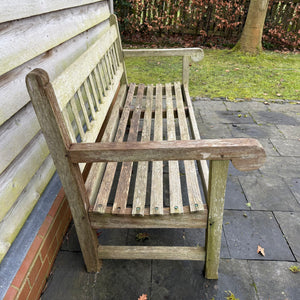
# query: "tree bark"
(251, 37)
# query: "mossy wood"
(141, 150)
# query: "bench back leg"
(216, 197)
(47, 111)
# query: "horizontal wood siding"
(49, 35)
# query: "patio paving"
(272, 221)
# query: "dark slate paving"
(274, 280)
(235, 197)
(287, 147)
(184, 280)
(274, 117)
(255, 131)
(294, 185)
(268, 193)
(290, 132)
(290, 226)
(286, 167)
(118, 279)
(214, 131)
(244, 234)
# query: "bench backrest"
(86, 89)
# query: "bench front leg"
(216, 198)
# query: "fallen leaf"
(143, 297)
(260, 250)
(245, 215)
(266, 103)
(142, 236)
(294, 269)
(227, 71)
(248, 204)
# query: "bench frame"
(245, 154)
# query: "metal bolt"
(176, 207)
(156, 208)
(99, 205)
(137, 208)
(196, 205)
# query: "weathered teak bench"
(145, 150)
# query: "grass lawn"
(223, 73)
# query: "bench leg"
(216, 196)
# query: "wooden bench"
(129, 156)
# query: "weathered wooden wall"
(49, 34)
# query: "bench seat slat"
(176, 205)
(194, 193)
(139, 197)
(109, 174)
(121, 196)
(156, 202)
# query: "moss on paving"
(224, 73)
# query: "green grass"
(223, 73)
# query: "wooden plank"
(77, 117)
(163, 52)
(246, 154)
(88, 94)
(92, 183)
(69, 81)
(84, 110)
(151, 252)
(91, 135)
(45, 105)
(202, 164)
(13, 93)
(139, 197)
(23, 206)
(185, 69)
(15, 134)
(216, 197)
(156, 200)
(94, 92)
(193, 188)
(121, 196)
(16, 177)
(102, 78)
(69, 125)
(18, 9)
(23, 37)
(105, 188)
(174, 173)
(186, 220)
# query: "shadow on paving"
(261, 208)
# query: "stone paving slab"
(274, 280)
(286, 167)
(294, 185)
(287, 147)
(270, 149)
(290, 132)
(214, 131)
(118, 279)
(290, 226)
(244, 234)
(275, 117)
(255, 131)
(268, 193)
(180, 280)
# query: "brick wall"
(36, 267)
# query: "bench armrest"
(196, 54)
(245, 154)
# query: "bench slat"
(94, 93)
(202, 164)
(83, 108)
(156, 202)
(95, 175)
(77, 117)
(194, 194)
(87, 91)
(121, 197)
(104, 191)
(174, 173)
(140, 191)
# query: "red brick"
(24, 291)
(45, 226)
(40, 281)
(31, 254)
(56, 204)
(11, 293)
(53, 249)
(34, 270)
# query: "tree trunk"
(250, 40)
